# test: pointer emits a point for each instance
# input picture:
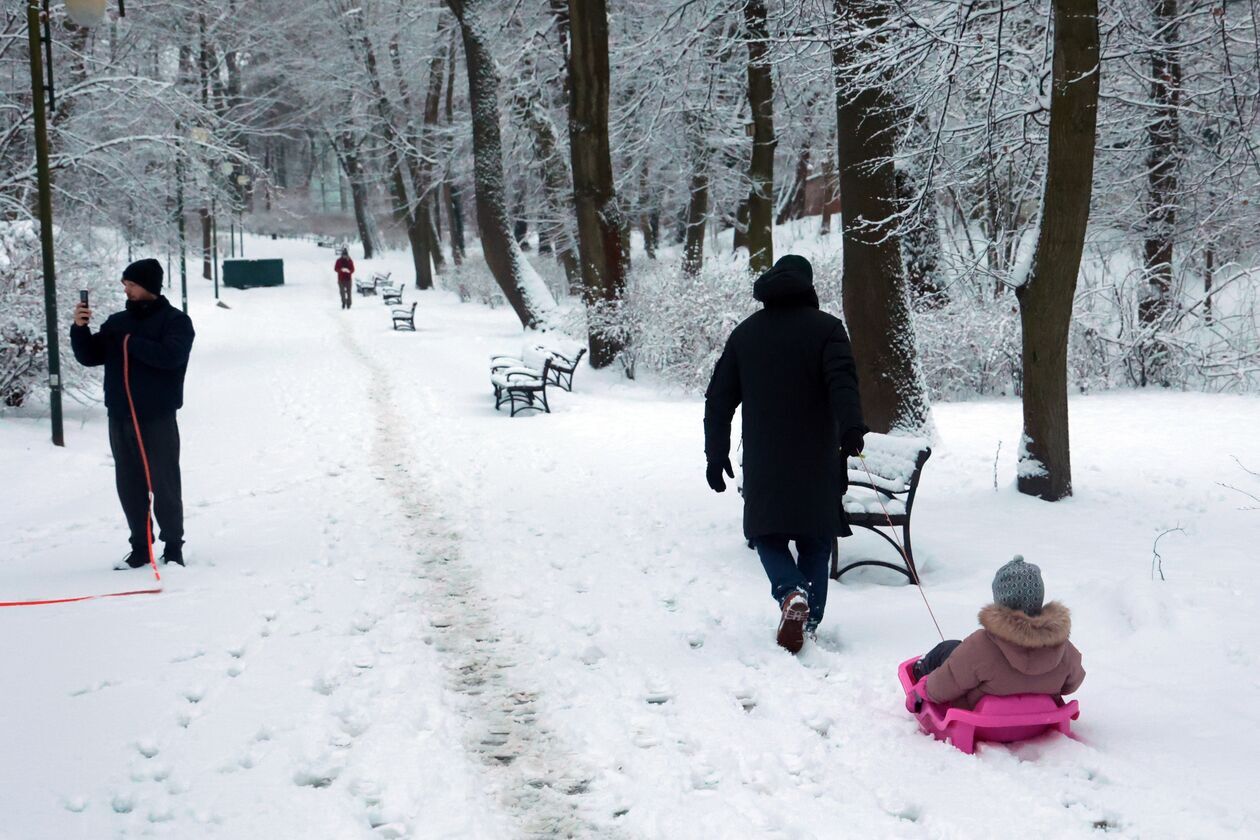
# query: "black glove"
(713, 474)
(851, 442)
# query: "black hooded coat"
(791, 367)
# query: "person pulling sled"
(791, 367)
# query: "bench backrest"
(535, 356)
(894, 463)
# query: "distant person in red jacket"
(345, 273)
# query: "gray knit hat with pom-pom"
(1018, 586)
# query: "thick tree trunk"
(527, 295)
(599, 221)
(698, 201)
(876, 300)
(1163, 139)
(1045, 300)
(760, 236)
(557, 186)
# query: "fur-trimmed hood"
(1032, 644)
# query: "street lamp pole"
(179, 211)
(214, 236)
(45, 224)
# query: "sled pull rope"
(144, 459)
(902, 548)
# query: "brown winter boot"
(791, 636)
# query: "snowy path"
(408, 615)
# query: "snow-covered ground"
(406, 614)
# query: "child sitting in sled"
(1021, 648)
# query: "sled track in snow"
(538, 780)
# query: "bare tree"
(1045, 297)
(599, 219)
(523, 289)
(876, 302)
(760, 236)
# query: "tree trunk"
(524, 291)
(1163, 141)
(353, 168)
(794, 207)
(876, 303)
(557, 189)
(520, 225)
(207, 258)
(830, 188)
(760, 236)
(455, 219)
(361, 210)
(450, 190)
(921, 244)
(1209, 256)
(698, 201)
(599, 221)
(739, 237)
(429, 146)
(1045, 300)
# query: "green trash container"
(245, 274)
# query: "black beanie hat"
(146, 274)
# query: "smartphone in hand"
(83, 296)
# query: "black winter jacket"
(792, 368)
(161, 340)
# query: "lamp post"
(179, 223)
(45, 223)
(86, 13)
(243, 182)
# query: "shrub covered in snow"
(23, 351)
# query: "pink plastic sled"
(1000, 719)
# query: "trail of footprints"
(537, 779)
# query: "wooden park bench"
(392, 295)
(564, 362)
(522, 381)
(404, 318)
(883, 500)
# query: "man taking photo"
(159, 338)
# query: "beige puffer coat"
(1013, 653)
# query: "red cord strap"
(144, 459)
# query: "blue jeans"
(808, 571)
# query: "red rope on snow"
(144, 459)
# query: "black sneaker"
(134, 560)
(173, 555)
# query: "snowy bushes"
(21, 313)
(23, 355)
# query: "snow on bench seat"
(882, 487)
